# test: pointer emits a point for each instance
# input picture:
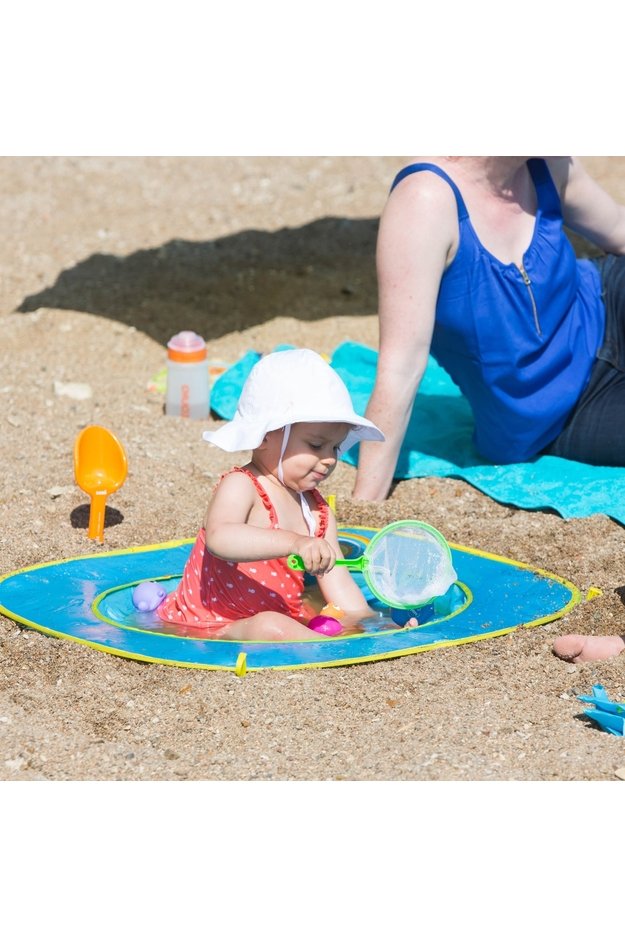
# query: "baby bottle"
(188, 388)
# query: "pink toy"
(147, 596)
(324, 624)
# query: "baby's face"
(311, 453)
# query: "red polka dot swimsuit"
(214, 592)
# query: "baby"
(296, 416)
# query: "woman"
(473, 266)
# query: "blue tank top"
(518, 341)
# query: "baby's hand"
(316, 553)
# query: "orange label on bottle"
(185, 408)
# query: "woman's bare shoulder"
(422, 189)
(561, 168)
(420, 216)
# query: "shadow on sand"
(325, 268)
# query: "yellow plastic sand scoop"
(100, 468)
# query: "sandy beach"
(102, 259)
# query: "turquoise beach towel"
(439, 442)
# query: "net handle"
(296, 562)
(359, 563)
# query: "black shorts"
(594, 430)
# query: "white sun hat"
(286, 387)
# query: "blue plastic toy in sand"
(89, 599)
(607, 713)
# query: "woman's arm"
(586, 207)
(418, 232)
(338, 586)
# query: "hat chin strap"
(308, 515)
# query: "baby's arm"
(230, 535)
(339, 587)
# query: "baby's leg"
(269, 626)
(581, 647)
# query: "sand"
(102, 260)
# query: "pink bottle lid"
(186, 347)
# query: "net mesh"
(409, 565)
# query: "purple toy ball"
(324, 624)
(147, 596)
